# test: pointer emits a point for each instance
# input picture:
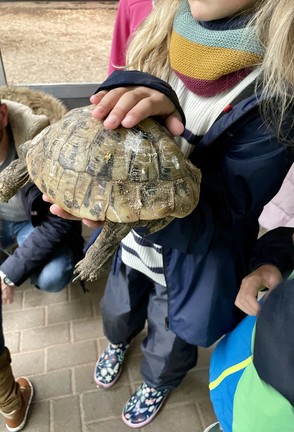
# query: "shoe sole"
(144, 423)
(21, 426)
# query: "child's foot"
(143, 405)
(16, 421)
(109, 365)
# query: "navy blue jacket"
(207, 253)
(51, 233)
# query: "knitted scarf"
(213, 56)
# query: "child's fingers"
(128, 106)
(58, 211)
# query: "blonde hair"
(275, 27)
(148, 50)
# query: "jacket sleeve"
(38, 248)
(275, 247)
(124, 78)
(120, 37)
(128, 18)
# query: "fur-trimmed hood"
(25, 125)
(39, 101)
(30, 111)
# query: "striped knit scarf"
(211, 57)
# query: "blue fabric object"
(232, 350)
(254, 363)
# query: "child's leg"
(57, 272)
(7, 236)
(124, 311)
(22, 230)
(166, 361)
(9, 397)
(124, 304)
(167, 358)
(15, 395)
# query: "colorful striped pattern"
(211, 59)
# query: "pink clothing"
(130, 14)
(280, 210)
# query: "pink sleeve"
(130, 14)
(280, 210)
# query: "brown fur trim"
(39, 101)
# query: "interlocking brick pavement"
(55, 340)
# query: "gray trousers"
(129, 300)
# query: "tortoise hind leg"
(158, 224)
(101, 251)
(104, 247)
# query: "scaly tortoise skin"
(125, 177)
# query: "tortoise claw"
(77, 278)
(84, 271)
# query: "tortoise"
(124, 177)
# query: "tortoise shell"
(123, 175)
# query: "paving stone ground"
(55, 340)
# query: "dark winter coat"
(50, 234)
(207, 253)
(275, 247)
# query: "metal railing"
(73, 94)
(3, 80)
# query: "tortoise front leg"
(157, 224)
(12, 178)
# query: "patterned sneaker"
(215, 427)
(16, 421)
(143, 406)
(109, 365)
